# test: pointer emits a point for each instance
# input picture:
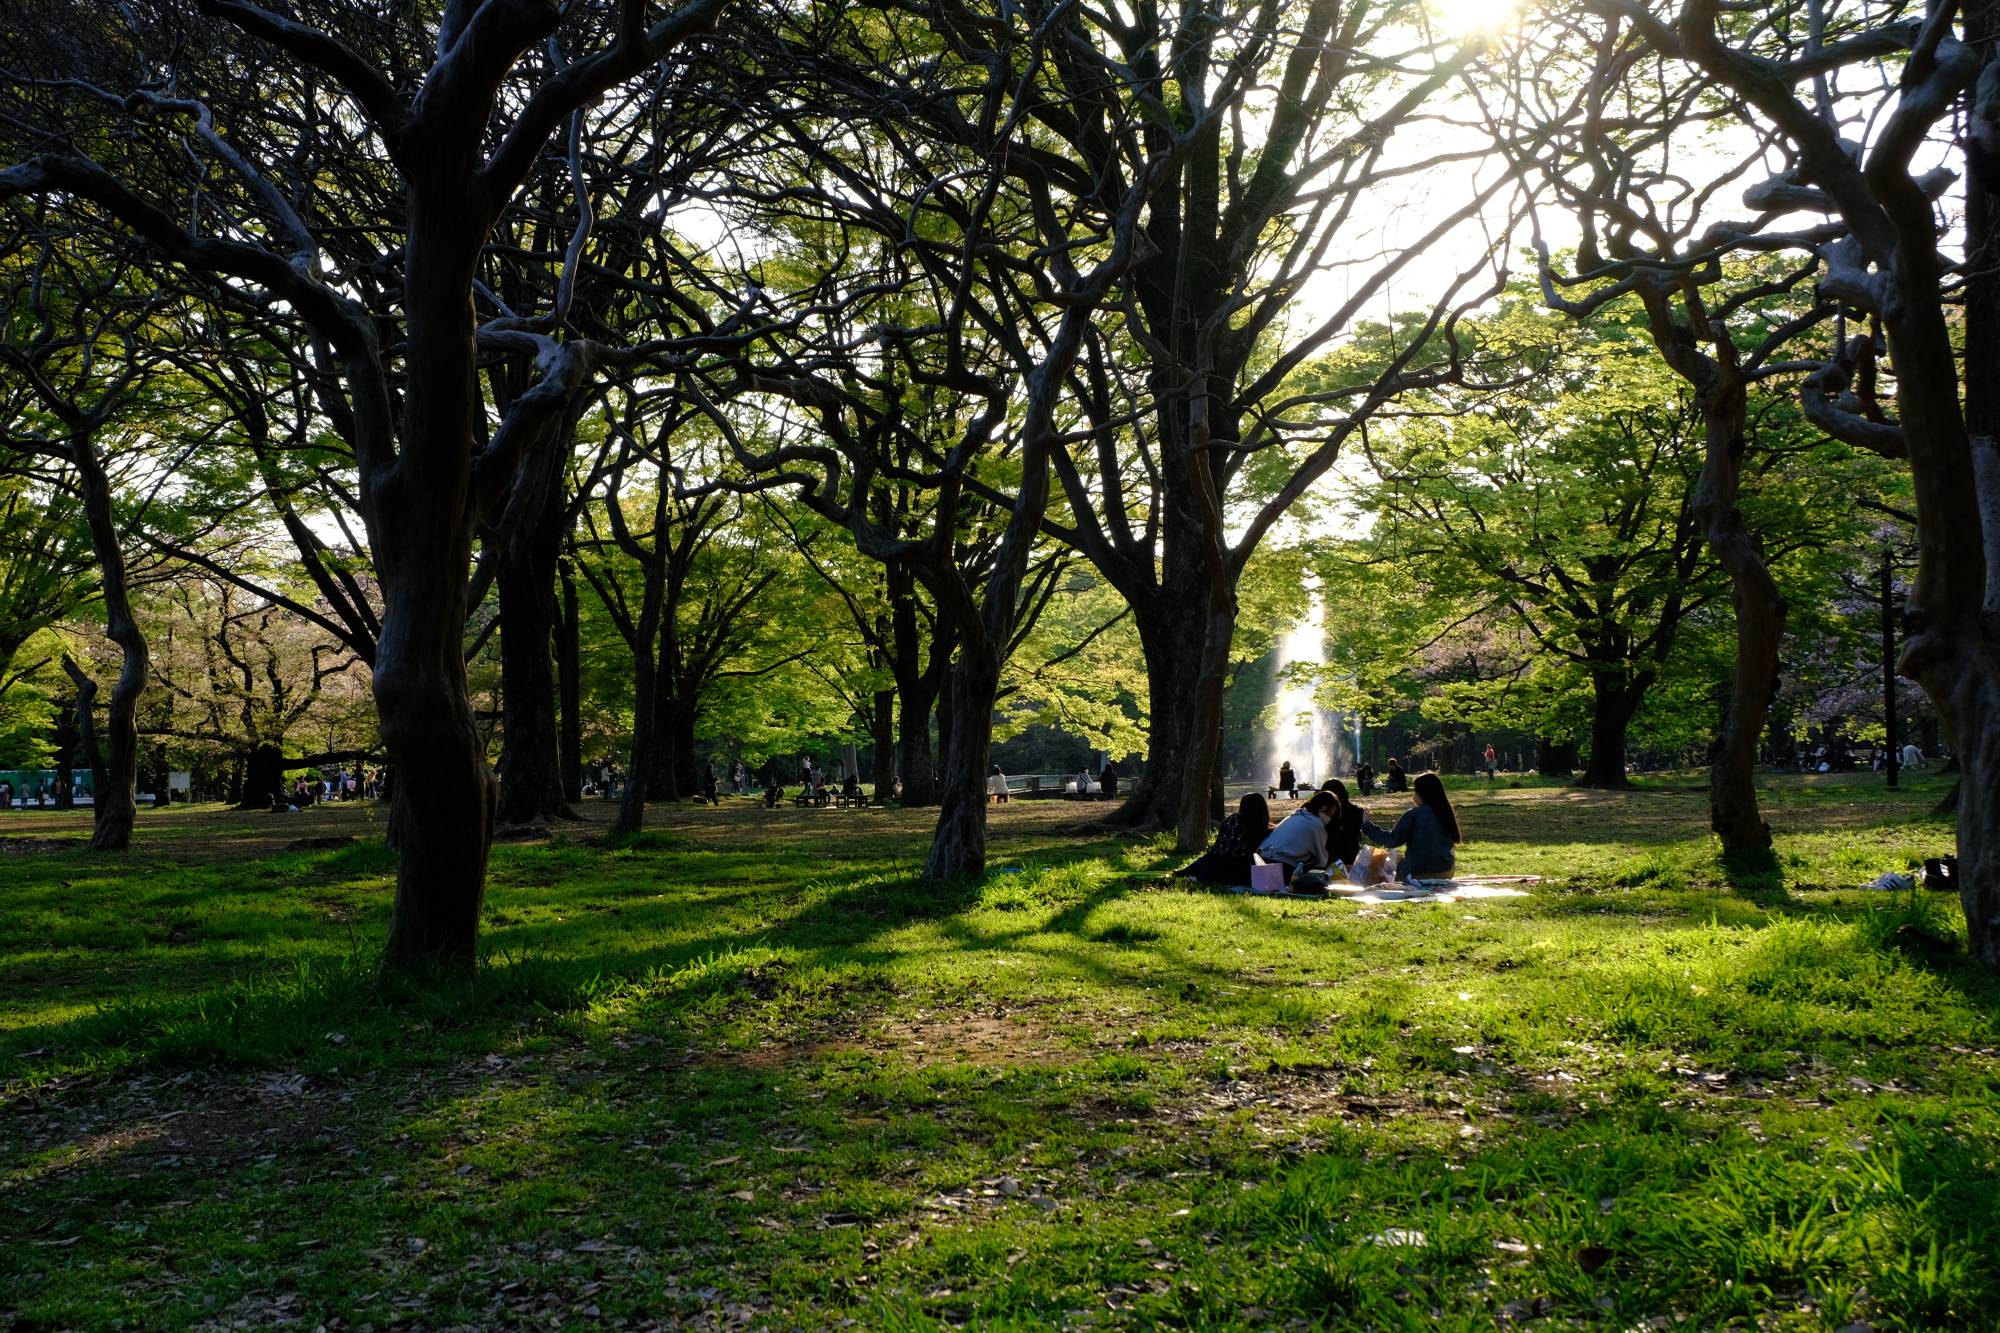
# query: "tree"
(966, 317)
(701, 572)
(1567, 509)
(1196, 435)
(1929, 78)
(454, 126)
(77, 351)
(245, 679)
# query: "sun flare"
(1472, 18)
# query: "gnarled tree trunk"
(421, 527)
(958, 847)
(569, 676)
(114, 798)
(530, 541)
(1956, 644)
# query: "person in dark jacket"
(1395, 779)
(1288, 783)
(1428, 833)
(1109, 780)
(1241, 834)
(1343, 835)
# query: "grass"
(747, 1070)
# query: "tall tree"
(450, 113)
(1930, 79)
(79, 350)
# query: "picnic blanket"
(1416, 890)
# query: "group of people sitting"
(814, 791)
(1328, 829)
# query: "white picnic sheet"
(1417, 890)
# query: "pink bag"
(1267, 878)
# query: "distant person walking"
(1492, 762)
(996, 786)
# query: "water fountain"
(1298, 732)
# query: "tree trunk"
(913, 747)
(1760, 629)
(1616, 700)
(645, 746)
(531, 789)
(1554, 759)
(443, 799)
(958, 848)
(421, 527)
(1172, 643)
(1955, 646)
(86, 726)
(261, 776)
(67, 739)
(569, 676)
(1201, 782)
(670, 761)
(882, 739)
(114, 798)
(917, 689)
(687, 773)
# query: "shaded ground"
(747, 1072)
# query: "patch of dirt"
(970, 1039)
(149, 1123)
(341, 910)
(320, 844)
(36, 846)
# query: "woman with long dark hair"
(1228, 861)
(1428, 832)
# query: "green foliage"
(1518, 553)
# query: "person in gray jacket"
(1299, 841)
(1428, 832)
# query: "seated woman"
(850, 790)
(1228, 861)
(1299, 841)
(1343, 835)
(1428, 831)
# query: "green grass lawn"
(747, 1071)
